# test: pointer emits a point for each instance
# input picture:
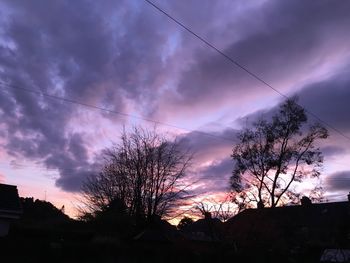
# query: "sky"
(127, 57)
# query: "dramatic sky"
(127, 57)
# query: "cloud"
(221, 169)
(217, 175)
(333, 150)
(329, 99)
(210, 145)
(280, 48)
(339, 181)
(106, 55)
(212, 165)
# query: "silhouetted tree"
(39, 211)
(272, 155)
(143, 172)
(242, 200)
(185, 221)
(317, 195)
(203, 208)
(224, 209)
(221, 209)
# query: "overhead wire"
(188, 29)
(94, 107)
(8, 86)
(238, 64)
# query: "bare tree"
(271, 156)
(203, 208)
(242, 200)
(225, 209)
(144, 171)
(317, 195)
(221, 209)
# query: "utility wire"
(245, 69)
(239, 65)
(94, 107)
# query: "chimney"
(349, 197)
(305, 201)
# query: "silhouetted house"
(159, 231)
(10, 207)
(207, 229)
(324, 225)
(154, 235)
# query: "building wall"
(4, 227)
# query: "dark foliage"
(39, 212)
(184, 222)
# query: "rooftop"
(9, 199)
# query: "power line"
(94, 107)
(237, 64)
(68, 100)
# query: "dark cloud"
(213, 178)
(202, 141)
(97, 54)
(217, 175)
(215, 147)
(339, 181)
(220, 170)
(333, 150)
(286, 42)
(329, 99)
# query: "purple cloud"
(127, 57)
(339, 181)
(280, 48)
